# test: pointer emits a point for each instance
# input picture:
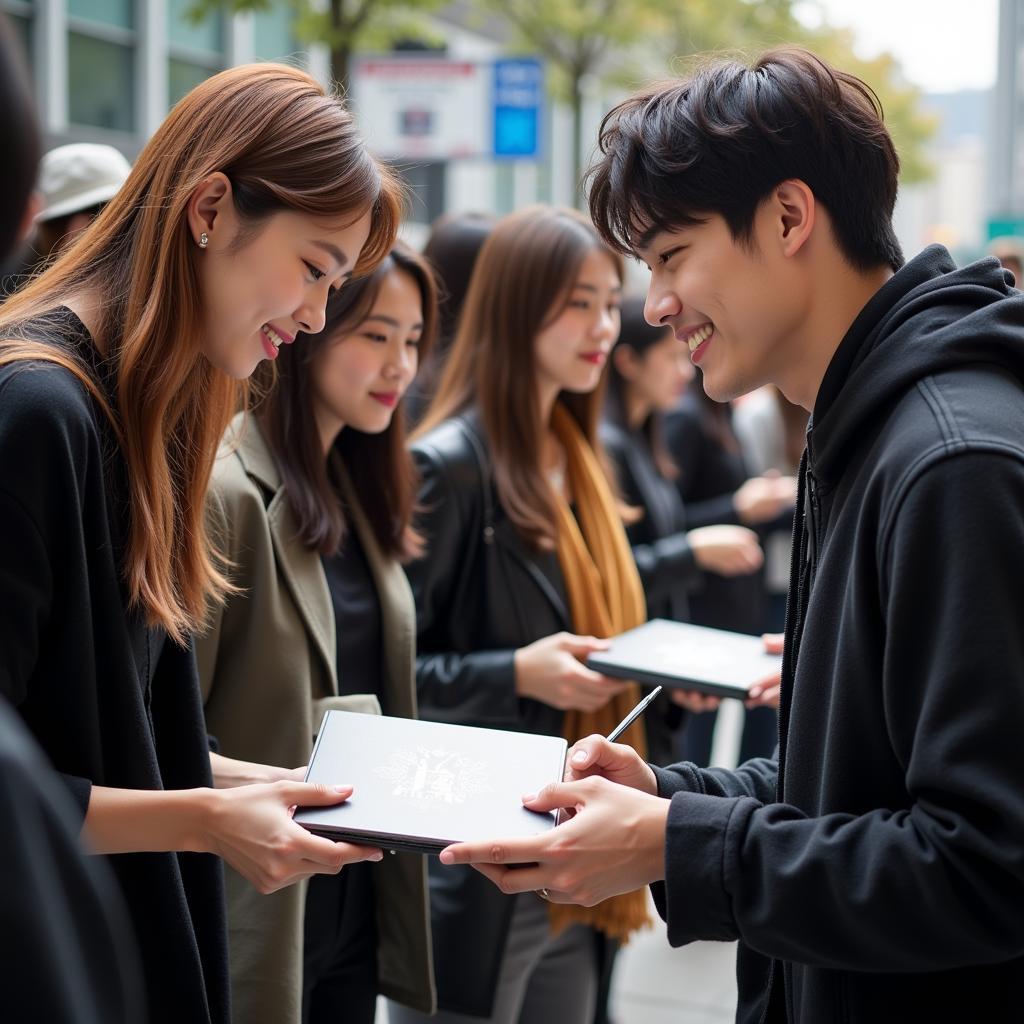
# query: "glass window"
(120, 13)
(100, 83)
(182, 77)
(185, 34)
(273, 33)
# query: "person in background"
(452, 248)
(121, 365)
(75, 183)
(772, 433)
(526, 565)
(67, 954)
(717, 487)
(311, 501)
(649, 372)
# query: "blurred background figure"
(772, 433)
(718, 487)
(75, 183)
(454, 243)
(1010, 252)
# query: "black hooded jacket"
(875, 872)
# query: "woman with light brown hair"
(527, 565)
(120, 367)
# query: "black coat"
(111, 702)
(875, 872)
(661, 549)
(67, 953)
(710, 472)
(481, 593)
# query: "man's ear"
(207, 206)
(795, 208)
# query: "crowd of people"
(261, 460)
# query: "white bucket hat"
(78, 176)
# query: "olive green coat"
(269, 650)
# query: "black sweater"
(876, 871)
(111, 702)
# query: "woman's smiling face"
(260, 287)
(572, 349)
(359, 377)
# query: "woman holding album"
(527, 566)
(311, 500)
(120, 368)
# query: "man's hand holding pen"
(611, 838)
(613, 843)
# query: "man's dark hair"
(721, 140)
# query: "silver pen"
(632, 716)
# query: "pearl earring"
(204, 240)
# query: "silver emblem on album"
(430, 776)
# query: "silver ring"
(543, 893)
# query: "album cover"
(686, 657)
(420, 786)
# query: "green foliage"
(614, 43)
(624, 43)
(342, 26)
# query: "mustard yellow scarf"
(605, 598)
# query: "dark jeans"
(339, 976)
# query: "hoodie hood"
(928, 318)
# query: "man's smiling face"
(737, 304)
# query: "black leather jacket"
(481, 593)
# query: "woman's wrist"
(229, 772)
(150, 821)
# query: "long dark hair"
(522, 280)
(378, 465)
(638, 335)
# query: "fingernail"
(377, 856)
(343, 789)
(529, 797)
(446, 857)
(580, 757)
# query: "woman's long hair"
(522, 281)
(637, 334)
(379, 466)
(285, 145)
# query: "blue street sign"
(518, 107)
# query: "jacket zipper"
(801, 575)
